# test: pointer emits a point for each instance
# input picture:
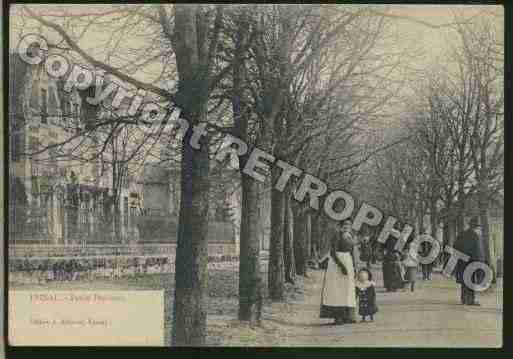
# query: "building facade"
(58, 197)
(55, 197)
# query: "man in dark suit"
(469, 243)
(425, 249)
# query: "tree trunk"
(289, 242)
(300, 233)
(250, 281)
(420, 223)
(485, 227)
(117, 223)
(420, 216)
(308, 242)
(460, 215)
(446, 232)
(116, 213)
(315, 235)
(452, 231)
(433, 219)
(276, 269)
(191, 276)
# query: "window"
(44, 106)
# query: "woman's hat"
(344, 222)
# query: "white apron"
(339, 289)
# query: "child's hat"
(368, 272)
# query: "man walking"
(469, 243)
(425, 249)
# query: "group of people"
(401, 268)
(343, 291)
(340, 291)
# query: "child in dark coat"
(366, 293)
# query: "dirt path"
(429, 317)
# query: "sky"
(433, 41)
(420, 28)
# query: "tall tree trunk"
(433, 218)
(276, 268)
(460, 215)
(300, 239)
(289, 242)
(191, 279)
(483, 203)
(420, 216)
(308, 243)
(117, 222)
(452, 231)
(250, 280)
(315, 235)
(192, 249)
(420, 222)
(273, 102)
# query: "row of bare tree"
(303, 82)
(454, 158)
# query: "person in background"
(27, 268)
(386, 267)
(67, 269)
(397, 272)
(366, 249)
(469, 243)
(411, 263)
(393, 276)
(425, 248)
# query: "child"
(366, 295)
(411, 263)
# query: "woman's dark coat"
(468, 243)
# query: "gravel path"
(429, 317)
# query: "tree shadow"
(301, 324)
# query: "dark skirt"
(392, 275)
(367, 301)
(411, 274)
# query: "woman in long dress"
(411, 262)
(338, 295)
(393, 277)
